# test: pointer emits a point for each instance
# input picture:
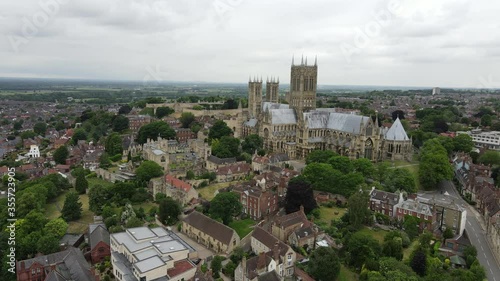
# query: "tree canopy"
(113, 144)
(225, 206)
(299, 193)
(169, 211)
(219, 130)
(434, 166)
(72, 208)
(186, 119)
(153, 130)
(324, 264)
(163, 111)
(148, 170)
(61, 154)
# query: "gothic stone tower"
(303, 82)
(272, 90)
(254, 97)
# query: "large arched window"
(369, 149)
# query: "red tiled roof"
(179, 267)
(177, 183)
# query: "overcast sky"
(453, 43)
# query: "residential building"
(67, 265)
(283, 226)
(209, 232)
(384, 202)
(232, 172)
(257, 200)
(262, 241)
(171, 186)
(151, 254)
(99, 242)
(416, 209)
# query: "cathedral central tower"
(303, 82)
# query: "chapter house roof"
(396, 132)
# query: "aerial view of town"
(145, 140)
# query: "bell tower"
(272, 90)
(254, 97)
(303, 83)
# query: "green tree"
(341, 163)
(79, 134)
(104, 161)
(61, 154)
(419, 262)
(219, 130)
(411, 227)
(225, 206)
(299, 193)
(320, 156)
(153, 130)
(324, 264)
(72, 208)
(27, 135)
(216, 266)
(163, 111)
(361, 248)
(463, 143)
(447, 234)
(113, 144)
(401, 179)
(381, 171)
(393, 248)
(120, 123)
(98, 197)
(434, 166)
(40, 128)
(190, 175)
(57, 227)
(148, 170)
(125, 109)
(169, 211)
(134, 222)
(490, 157)
(186, 119)
(486, 120)
(226, 147)
(364, 166)
(358, 210)
(251, 143)
(48, 244)
(81, 184)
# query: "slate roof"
(98, 234)
(211, 227)
(384, 196)
(291, 219)
(71, 264)
(342, 122)
(269, 276)
(220, 161)
(283, 116)
(396, 132)
(251, 123)
(271, 105)
(269, 240)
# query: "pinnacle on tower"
(316, 60)
(293, 58)
(302, 61)
(306, 60)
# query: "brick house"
(67, 265)
(233, 172)
(283, 226)
(99, 242)
(257, 201)
(384, 202)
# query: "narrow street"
(477, 235)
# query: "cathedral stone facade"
(297, 128)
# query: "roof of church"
(396, 132)
(272, 105)
(343, 122)
(283, 116)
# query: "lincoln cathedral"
(297, 127)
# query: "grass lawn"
(242, 227)
(95, 181)
(51, 208)
(146, 206)
(378, 234)
(410, 166)
(328, 214)
(208, 192)
(52, 211)
(407, 251)
(346, 274)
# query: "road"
(477, 235)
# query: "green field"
(95, 181)
(346, 274)
(328, 214)
(208, 192)
(378, 234)
(242, 227)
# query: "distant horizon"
(193, 83)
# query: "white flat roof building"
(144, 254)
(488, 140)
